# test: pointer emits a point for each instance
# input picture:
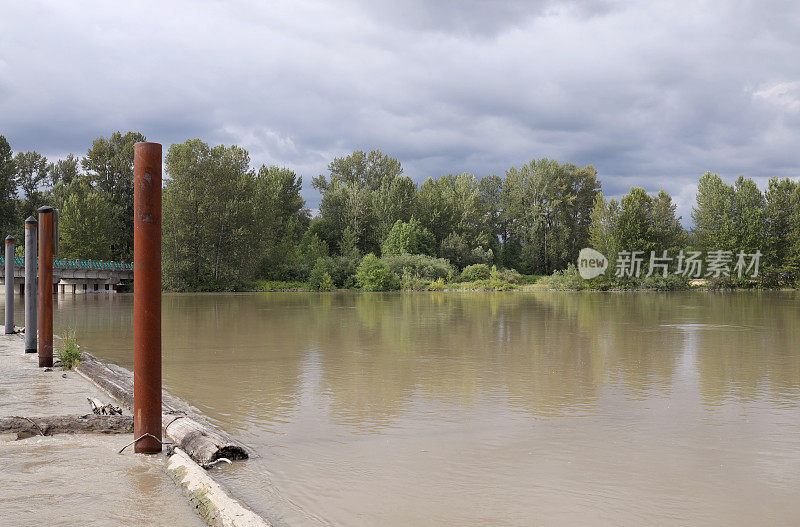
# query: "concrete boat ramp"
(81, 479)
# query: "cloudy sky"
(650, 93)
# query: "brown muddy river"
(494, 409)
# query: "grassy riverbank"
(419, 272)
(421, 285)
(567, 280)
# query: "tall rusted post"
(45, 318)
(9, 327)
(147, 297)
(31, 229)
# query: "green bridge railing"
(66, 263)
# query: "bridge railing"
(67, 263)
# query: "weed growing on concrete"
(70, 352)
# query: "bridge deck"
(66, 263)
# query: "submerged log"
(200, 440)
(204, 444)
(113, 382)
(67, 424)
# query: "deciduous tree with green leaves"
(82, 212)
(409, 238)
(109, 165)
(281, 218)
(712, 215)
(210, 228)
(64, 170)
(602, 235)
(669, 234)
(356, 184)
(31, 174)
(547, 206)
(635, 226)
(374, 275)
(490, 192)
(780, 212)
(749, 217)
(8, 187)
(450, 207)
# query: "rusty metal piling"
(147, 298)
(31, 230)
(9, 326)
(45, 306)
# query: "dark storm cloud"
(651, 94)
(472, 17)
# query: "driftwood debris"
(103, 409)
(204, 444)
(200, 440)
(67, 424)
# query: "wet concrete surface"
(30, 391)
(74, 479)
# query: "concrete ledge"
(203, 442)
(213, 502)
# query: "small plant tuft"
(70, 353)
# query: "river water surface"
(498, 409)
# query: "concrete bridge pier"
(73, 286)
(77, 277)
(69, 286)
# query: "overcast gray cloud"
(651, 93)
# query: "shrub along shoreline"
(404, 274)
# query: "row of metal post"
(146, 293)
(38, 311)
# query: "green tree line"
(227, 224)
(94, 195)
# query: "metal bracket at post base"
(146, 434)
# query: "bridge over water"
(77, 276)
